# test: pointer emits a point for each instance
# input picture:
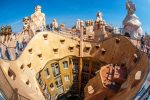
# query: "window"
(67, 87)
(45, 36)
(135, 58)
(55, 69)
(117, 40)
(27, 82)
(96, 68)
(39, 55)
(82, 87)
(11, 74)
(75, 77)
(52, 86)
(30, 50)
(44, 87)
(87, 47)
(22, 66)
(40, 81)
(85, 78)
(47, 73)
(75, 66)
(103, 51)
(62, 40)
(55, 50)
(38, 75)
(67, 78)
(29, 65)
(86, 66)
(82, 94)
(2, 96)
(71, 48)
(65, 64)
(75, 87)
(60, 90)
(58, 82)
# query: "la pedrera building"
(86, 62)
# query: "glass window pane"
(65, 64)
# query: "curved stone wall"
(43, 47)
(46, 46)
(119, 50)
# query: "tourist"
(54, 25)
(142, 42)
(48, 27)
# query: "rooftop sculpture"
(100, 25)
(54, 25)
(7, 38)
(38, 22)
(99, 16)
(131, 23)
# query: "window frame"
(64, 64)
(47, 73)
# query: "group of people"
(53, 26)
(145, 44)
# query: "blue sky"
(67, 11)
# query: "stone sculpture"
(131, 23)
(38, 22)
(54, 25)
(78, 24)
(8, 43)
(89, 28)
(99, 27)
(99, 17)
(27, 33)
